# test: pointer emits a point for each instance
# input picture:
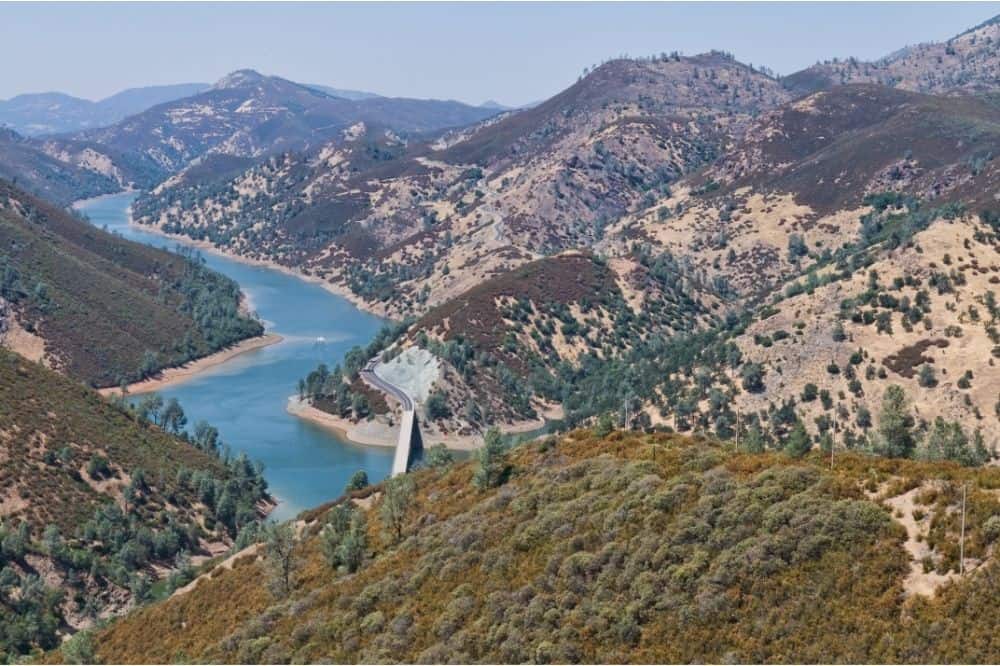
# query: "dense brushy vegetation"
(639, 548)
(530, 333)
(111, 310)
(103, 501)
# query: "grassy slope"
(646, 549)
(42, 412)
(109, 300)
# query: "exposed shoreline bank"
(176, 375)
(376, 433)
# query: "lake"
(245, 397)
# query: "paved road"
(372, 379)
(404, 453)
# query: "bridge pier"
(409, 446)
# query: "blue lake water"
(245, 397)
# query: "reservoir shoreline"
(192, 369)
(208, 246)
(380, 434)
(243, 390)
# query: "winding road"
(409, 430)
(369, 377)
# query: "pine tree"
(798, 442)
(493, 468)
(895, 427)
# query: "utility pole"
(833, 441)
(961, 542)
(732, 380)
(737, 429)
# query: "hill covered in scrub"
(102, 507)
(405, 225)
(247, 114)
(965, 64)
(28, 164)
(624, 548)
(101, 308)
(705, 192)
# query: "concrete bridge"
(410, 445)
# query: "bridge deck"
(401, 461)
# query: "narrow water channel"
(245, 397)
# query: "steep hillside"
(641, 549)
(392, 222)
(922, 316)
(795, 188)
(821, 191)
(26, 163)
(504, 351)
(98, 504)
(966, 63)
(54, 113)
(103, 309)
(856, 229)
(247, 114)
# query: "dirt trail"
(917, 581)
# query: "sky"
(515, 53)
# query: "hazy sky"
(515, 53)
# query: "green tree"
(173, 418)
(796, 247)
(351, 552)
(79, 649)
(492, 468)
(894, 437)
(206, 437)
(927, 377)
(863, 417)
(279, 550)
(753, 377)
(396, 501)
(605, 425)
(437, 406)
(336, 542)
(357, 481)
(754, 440)
(438, 456)
(798, 442)
(148, 409)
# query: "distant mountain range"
(249, 115)
(54, 112)
(38, 114)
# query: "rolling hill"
(25, 162)
(652, 549)
(405, 225)
(965, 64)
(705, 223)
(98, 504)
(103, 309)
